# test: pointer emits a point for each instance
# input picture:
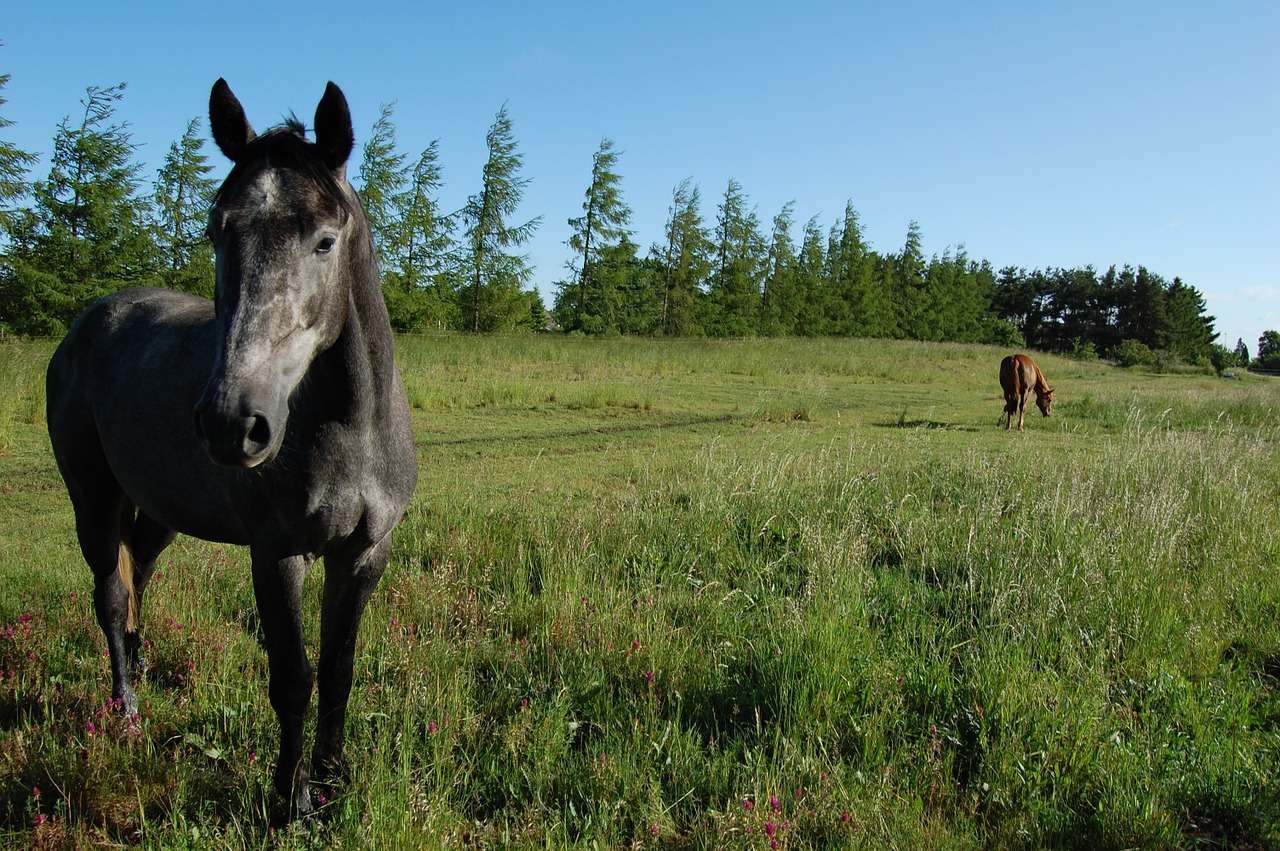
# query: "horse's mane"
(286, 146)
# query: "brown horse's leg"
(277, 585)
(348, 585)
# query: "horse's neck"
(362, 360)
(1041, 386)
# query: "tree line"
(92, 226)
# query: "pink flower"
(746, 804)
(654, 830)
(773, 801)
(844, 817)
(431, 727)
(769, 829)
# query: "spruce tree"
(425, 267)
(383, 176)
(780, 300)
(598, 233)
(90, 233)
(182, 194)
(858, 305)
(686, 262)
(14, 163)
(492, 298)
(736, 283)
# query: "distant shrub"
(1082, 350)
(1133, 353)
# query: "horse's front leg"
(348, 584)
(277, 585)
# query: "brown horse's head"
(1044, 401)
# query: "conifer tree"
(492, 298)
(858, 303)
(89, 235)
(686, 262)
(602, 226)
(780, 300)
(14, 163)
(736, 283)
(383, 176)
(812, 284)
(425, 266)
(182, 194)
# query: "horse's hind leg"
(103, 526)
(149, 540)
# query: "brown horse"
(1019, 376)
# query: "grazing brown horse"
(272, 416)
(1019, 376)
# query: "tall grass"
(708, 622)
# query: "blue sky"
(1033, 134)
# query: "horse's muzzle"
(234, 441)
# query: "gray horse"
(272, 417)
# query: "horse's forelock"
(285, 147)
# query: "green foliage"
(14, 163)
(686, 263)
(180, 203)
(491, 298)
(88, 232)
(1133, 353)
(1269, 350)
(741, 260)
(605, 260)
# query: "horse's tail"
(124, 567)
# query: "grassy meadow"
(694, 594)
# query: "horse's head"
(1044, 401)
(283, 226)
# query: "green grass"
(645, 587)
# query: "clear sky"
(1033, 134)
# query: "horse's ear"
(334, 137)
(231, 129)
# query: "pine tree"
(906, 289)
(736, 283)
(14, 163)
(180, 201)
(780, 301)
(492, 298)
(89, 235)
(425, 269)
(686, 262)
(812, 284)
(857, 306)
(1190, 329)
(601, 227)
(383, 176)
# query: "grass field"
(704, 595)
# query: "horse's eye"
(325, 245)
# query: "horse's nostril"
(259, 430)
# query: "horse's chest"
(345, 497)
